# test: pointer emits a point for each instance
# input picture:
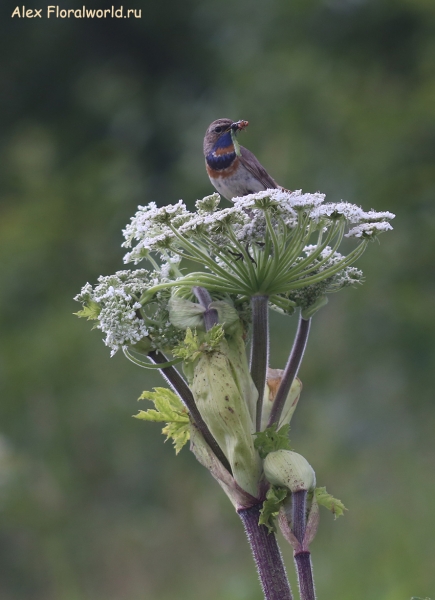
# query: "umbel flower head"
(275, 243)
(114, 304)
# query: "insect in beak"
(239, 125)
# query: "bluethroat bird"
(233, 170)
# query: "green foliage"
(335, 506)
(274, 498)
(272, 439)
(195, 344)
(90, 311)
(169, 409)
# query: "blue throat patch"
(218, 163)
(222, 161)
(224, 141)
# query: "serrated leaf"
(194, 345)
(178, 432)
(274, 498)
(90, 312)
(170, 410)
(324, 499)
(272, 439)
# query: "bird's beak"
(239, 125)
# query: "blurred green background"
(98, 116)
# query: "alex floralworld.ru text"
(56, 12)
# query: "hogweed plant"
(270, 250)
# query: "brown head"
(219, 128)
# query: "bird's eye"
(218, 129)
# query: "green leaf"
(271, 440)
(194, 345)
(335, 506)
(274, 498)
(179, 433)
(170, 410)
(184, 314)
(91, 311)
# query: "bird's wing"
(250, 161)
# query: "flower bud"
(274, 377)
(289, 469)
(222, 386)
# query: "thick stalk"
(291, 369)
(305, 575)
(267, 556)
(178, 384)
(259, 349)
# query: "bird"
(233, 170)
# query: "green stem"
(347, 261)
(213, 266)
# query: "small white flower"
(351, 212)
(373, 216)
(369, 230)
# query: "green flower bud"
(222, 387)
(274, 377)
(289, 469)
(240, 369)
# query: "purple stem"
(210, 314)
(305, 575)
(259, 349)
(178, 384)
(267, 556)
(299, 507)
(291, 369)
(302, 558)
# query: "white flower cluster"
(150, 229)
(114, 303)
(263, 244)
(159, 229)
(369, 230)
(284, 200)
